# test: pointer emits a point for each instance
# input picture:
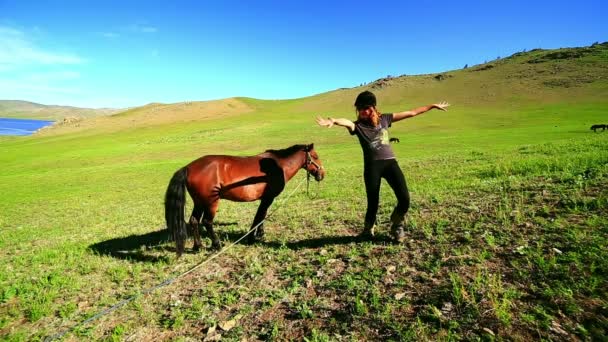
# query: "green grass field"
(507, 231)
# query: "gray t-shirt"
(374, 140)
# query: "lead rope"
(170, 280)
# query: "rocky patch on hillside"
(382, 82)
(68, 121)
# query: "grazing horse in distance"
(240, 179)
(596, 127)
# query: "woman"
(379, 160)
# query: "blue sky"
(129, 53)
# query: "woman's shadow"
(157, 246)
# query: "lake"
(10, 126)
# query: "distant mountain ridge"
(31, 110)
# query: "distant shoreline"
(22, 127)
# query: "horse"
(596, 127)
(241, 179)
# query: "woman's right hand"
(325, 122)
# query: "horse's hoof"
(257, 238)
(258, 234)
(398, 234)
(216, 246)
(197, 248)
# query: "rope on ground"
(170, 280)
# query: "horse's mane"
(286, 152)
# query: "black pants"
(388, 169)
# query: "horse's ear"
(310, 147)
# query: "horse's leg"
(258, 220)
(195, 219)
(208, 216)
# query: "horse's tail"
(175, 200)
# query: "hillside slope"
(537, 77)
(547, 76)
(154, 114)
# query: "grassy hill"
(513, 85)
(507, 229)
(30, 110)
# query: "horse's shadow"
(134, 247)
(156, 247)
(140, 247)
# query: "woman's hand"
(325, 122)
(330, 122)
(441, 106)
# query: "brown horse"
(241, 179)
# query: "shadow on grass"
(143, 247)
(309, 243)
(130, 247)
(157, 246)
(327, 241)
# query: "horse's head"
(313, 164)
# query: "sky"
(129, 53)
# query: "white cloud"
(52, 76)
(143, 28)
(16, 49)
(32, 72)
(20, 88)
(109, 34)
(133, 28)
(36, 85)
(148, 29)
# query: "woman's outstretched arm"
(419, 110)
(329, 122)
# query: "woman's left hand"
(441, 106)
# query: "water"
(9, 126)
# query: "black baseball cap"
(365, 99)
